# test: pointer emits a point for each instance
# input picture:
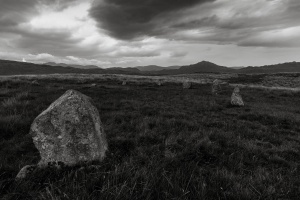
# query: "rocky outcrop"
(69, 131)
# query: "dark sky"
(143, 32)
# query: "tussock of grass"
(164, 142)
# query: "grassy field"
(164, 142)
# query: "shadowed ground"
(217, 151)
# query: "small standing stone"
(35, 82)
(186, 85)
(216, 87)
(236, 98)
(124, 83)
(25, 171)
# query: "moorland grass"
(164, 143)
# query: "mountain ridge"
(72, 65)
(155, 68)
(200, 67)
(275, 68)
(8, 67)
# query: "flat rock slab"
(25, 171)
(69, 131)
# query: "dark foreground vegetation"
(164, 142)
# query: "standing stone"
(35, 82)
(236, 98)
(82, 81)
(186, 85)
(159, 83)
(93, 85)
(216, 87)
(124, 83)
(69, 131)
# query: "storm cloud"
(128, 19)
(23, 27)
(205, 21)
(13, 12)
(161, 32)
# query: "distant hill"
(19, 68)
(120, 70)
(155, 68)
(236, 67)
(208, 67)
(72, 65)
(205, 67)
(277, 68)
(201, 67)
(107, 70)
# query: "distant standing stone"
(35, 82)
(216, 86)
(124, 83)
(236, 98)
(159, 83)
(93, 85)
(186, 85)
(80, 81)
(69, 131)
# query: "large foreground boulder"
(236, 98)
(69, 131)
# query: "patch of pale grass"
(16, 100)
(10, 102)
(22, 95)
